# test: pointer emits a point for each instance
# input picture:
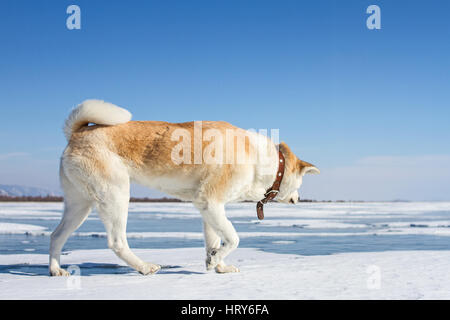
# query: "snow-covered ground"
(368, 275)
(308, 251)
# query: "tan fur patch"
(291, 158)
(147, 146)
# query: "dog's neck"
(272, 192)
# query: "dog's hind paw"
(58, 272)
(149, 268)
(221, 268)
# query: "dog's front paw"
(58, 272)
(149, 268)
(221, 268)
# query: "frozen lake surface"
(401, 238)
(304, 229)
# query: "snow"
(369, 275)
(19, 228)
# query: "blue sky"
(370, 108)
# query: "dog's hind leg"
(216, 226)
(76, 210)
(114, 212)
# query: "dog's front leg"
(216, 227)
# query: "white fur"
(95, 111)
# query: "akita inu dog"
(191, 161)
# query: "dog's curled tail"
(94, 111)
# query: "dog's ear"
(296, 164)
(306, 167)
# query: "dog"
(106, 150)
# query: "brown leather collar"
(273, 191)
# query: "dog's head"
(294, 171)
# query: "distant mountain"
(23, 191)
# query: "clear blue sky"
(370, 108)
